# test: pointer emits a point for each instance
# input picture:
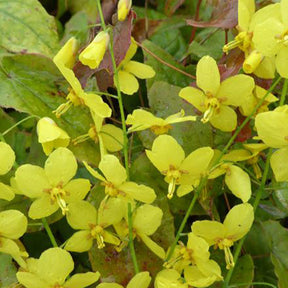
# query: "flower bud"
(124, 7)
(93, 54)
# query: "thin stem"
(193, 33)
(284, 92)
(18, 123)
(49, 232)
(125, 138)
(106, 94)
(188, 212)
(164, 62)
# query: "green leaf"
(7, 271)
(244, 271)
(164, 101)
(281, 272)
(163, 72)
(88, 6)
(30, 83)
(27, 28)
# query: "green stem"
(106, 94)
(188, 212)
(49, 232)
(284, 92)
(125, 138)
(18, 123)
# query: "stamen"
(62, 108)
(228, 258)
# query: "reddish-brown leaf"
(224, 16)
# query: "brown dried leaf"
(223, 16)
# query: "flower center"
(97, 233)
(57, 194)
(187, 254)
(242, 40)
(213, 105)
(111, 190)
(158, 130)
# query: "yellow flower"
(92, 223)
(141, 120)
(114, 181)
(52, 269)
(270, 36)
(128, 69)
(7, 159)
(64, 61)
(169, 278)
(140, 280)
(146, 220)
(50, 135)
(196, 251)
(93, 54)
(215, 98)
(52, 186)
(252, 100)
(123, 9)
(235, 226)
(13, 224)
(169, 158)
(272, 129)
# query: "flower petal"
(13, 224)
(77, 189)
(30, 280)
(139, 70)
(80, 241)
(128, 82)
(31, 180)
(42, 207)
(272, 128)
(281, 62)
(207, 75)
(81, 214)
(93, 172)
(109, 285)
(140, 193)
(279, 164)
(7, 158)
(225, 120)
(111, 211)
(236, 227)
(112, 137)
(153, 246)
(234, 90)
(161, 156)
(194, 96)
(211, 231)
(112, 169)
(238, 182)
(82, 280)
(6, 192)
(60, 166)
(54, 265)
(97, 105)
(147, 219)
(140, 280)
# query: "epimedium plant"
(106, 164)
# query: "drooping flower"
(93, 54)
(52, 187)
(272, 129)
(50, 135)
(7, 159)
(128, 70)
(146, 219)
(114, 181)
(92, 223)
(236, 225)
(215, 98)
(64, 61)
(123, 9)
(169, 158)
(52, 269)
(13, 224)
(140, 280)
(141, 120)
